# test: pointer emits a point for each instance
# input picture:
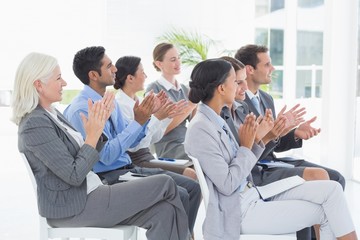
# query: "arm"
(128, 134)
(226, 174)
(179, 119)
(51, 146)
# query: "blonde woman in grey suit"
(69, 193)
(234, 206)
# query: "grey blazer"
(60, 166)
(172, 144)
(208, 142)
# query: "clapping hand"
(144, 110)
(247, 131)
(293, 116)
(160, 99)
(95, 122)
(306, 131)
(265, 123)
(108, 102)
(275, 132)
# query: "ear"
(93, 75)
(249, 69)
(158, 64)
(129, 78)
(220, 89)
(38, 85)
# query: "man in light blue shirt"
(129, 134)
(96, 71)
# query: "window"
(310, 3)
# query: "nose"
(114, 69)
(64, 83)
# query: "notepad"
(273, 164)
(129, 176)
(280, 186)
(175, 162)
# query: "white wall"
(62, 27)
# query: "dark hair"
(159, 52)
(236, 64)
(86, 60)
(206, 77)
(126, 65)
(248, 54)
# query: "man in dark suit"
(259, 71)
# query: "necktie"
(256, 102)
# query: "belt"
(129, 166)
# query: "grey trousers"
(152, 203)
(189, 189)
(314, 202)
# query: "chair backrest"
(205, 192)
(118, 232)
(202, 181)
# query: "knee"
(189, 172)
(336, 176)
(315, 174)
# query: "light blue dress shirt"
(122, 136)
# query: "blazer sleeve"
(288, 142)
(50, 145)
(226, 173)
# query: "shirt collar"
(123, 97)
(167, 85)
(92, 94)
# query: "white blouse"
(155, 128)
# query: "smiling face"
(50, 91)
(171, 63)
(229, 87)
(264, 69)
(242, 85)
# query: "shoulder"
(154, 86)
(37, 118)
(201, 123)
(185, 88)
(78, 104)
(265, 95)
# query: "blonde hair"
(25, 98)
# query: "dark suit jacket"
(60, 166)
(286, 142)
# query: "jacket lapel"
(222, 134)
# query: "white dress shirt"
(155, 128)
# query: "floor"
(18, 210)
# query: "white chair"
(205, 193)
(115, 233)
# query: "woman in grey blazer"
(234, 205)
(69, 193)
